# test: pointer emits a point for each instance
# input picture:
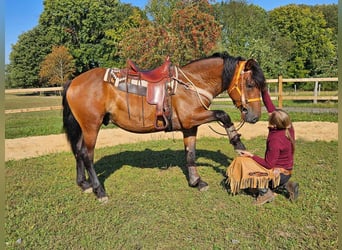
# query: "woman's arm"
(267, 101)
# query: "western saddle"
(156, 93)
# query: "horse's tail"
(70, 125)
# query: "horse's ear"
(250, 64)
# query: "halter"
(239, 86)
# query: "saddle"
(152, 76)
(156, 93)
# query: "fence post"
(280, 93)
(315, 92)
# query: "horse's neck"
(205, 76)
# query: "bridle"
(239, 86)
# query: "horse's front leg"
(232, 133)
(194, 178)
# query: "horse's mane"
(230, 63)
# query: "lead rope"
(195, 88)
(241, 123)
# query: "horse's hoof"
(202, 186)
(88, 190)
(194, 183)
(103, 200)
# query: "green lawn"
(152, 207)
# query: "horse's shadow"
(162, 160)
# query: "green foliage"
(152, 207)
(25, 58)
(246, 32)
(313, 49)
(85, 27)
(294, 40)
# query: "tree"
(312, 47)
(57, 67)
(191, 33)
(246, 32)
(25, 58)
(330, 13)
(241, 24)
(85, 27)
(117, 33)
(91, 30)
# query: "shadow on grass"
(162, 160)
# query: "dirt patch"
(27, 147)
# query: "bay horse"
(93, 98)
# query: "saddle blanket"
(120, 80)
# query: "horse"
(94, 98)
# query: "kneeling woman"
(251, 171)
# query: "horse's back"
(92, 76)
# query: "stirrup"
(164, 119)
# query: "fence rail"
(280, 95)
(32, 90)
(315, 97)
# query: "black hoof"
(195, 183)
(100, 193)
(85, 186)
(202, 186)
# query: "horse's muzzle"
(249, 116)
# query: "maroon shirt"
(279, 152)
(267, 101)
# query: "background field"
(50, 122)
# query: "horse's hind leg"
(87, 156)
(190, 154)
(80, 168)
(84, 153)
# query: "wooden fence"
(315, 96)
(280, 93)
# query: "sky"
(23, 15)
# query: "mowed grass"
(50, 122)
(151, 205)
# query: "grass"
(152, 207)
(50, 122)
(30, 101)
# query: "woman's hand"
(245, 153)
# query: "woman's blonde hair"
(280, 119)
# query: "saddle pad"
(136, 86)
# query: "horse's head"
(245, 87)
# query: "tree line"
(73, 36)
